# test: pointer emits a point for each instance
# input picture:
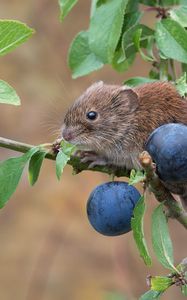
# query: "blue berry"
(110, 207)
(167, 146)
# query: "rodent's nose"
(67, 134)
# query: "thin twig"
(175, 209)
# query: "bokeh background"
(48, 249)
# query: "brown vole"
(112, 123)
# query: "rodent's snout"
(67, 134)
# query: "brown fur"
(126, 117)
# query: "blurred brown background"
(48, 249)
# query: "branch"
(75, 162)
(175, 209)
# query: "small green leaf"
(179, 14)
(12, 34)
(184, 289)
(109, 17)
(61, 161)
(149, 2)
(181, 85)
(81, 59)
(35, 165)
(151, 295)
(63, 157)
(120, 64)
(138, 232)
(131, 19)
(128, 39)
(154, 74)
(134, 81)
(136, 176)
(171, 39)
(184, 68)
(150, 46)
(65, 7)
(160, 283)
(162, 244)
(132, 6)
(163, 2)
(172, 2)
(10, 174)
(137, 40)
(8, 94)
(67, 148)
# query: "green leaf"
(184, 68)
(10, 174)
(63, 157)
(131, 19)
(136, 176)
(132, 6)
(151, 295)
(119, 62)
(134, 81)
(65, 7)
(35, 165)
(105, 28)
(12, 34)
(162, 244)
(171, 39)
(138, 232)
(160, 283)
(122, 65)
(179, 14)
(184, 289)
(61, 161)
(137, 40)
(162, 3)
(172, 2)
(128, 39)
(81, 59)
(67, 148)
(181, 85)
(149, 2)
(8, 94)
(154, 74)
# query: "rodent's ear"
(132, 96)
(95, 85)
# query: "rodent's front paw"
(91, 157)
(98, 162)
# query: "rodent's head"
(100, 116)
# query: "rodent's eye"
(91, 115)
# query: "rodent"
(115, 121)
